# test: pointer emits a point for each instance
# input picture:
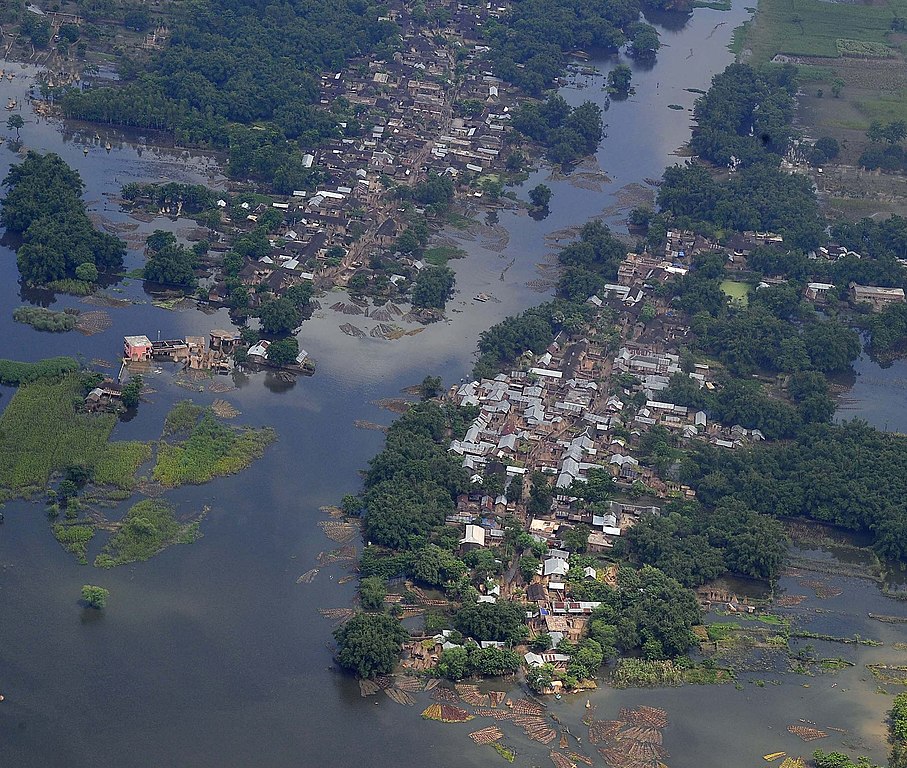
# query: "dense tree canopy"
(168, 261)
(503, 621)
(44, 206)
(236, 62)
(369, 644)
(648, 611)
(568, 133)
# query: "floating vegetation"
(508, 754)
(822, 590)
(351, 330)
(889, 673)
(368, 687)
(103, 300)
(806, 733)
(223, 409)
(308, 576)
(790, 601)
(527, 707)
(347, 308)
(675, 106)
(344, 554)
(399, 696)
(393, 404)
(446, 713)
(792, 762)
(641, 673)
(487, 735)
(561, 761)
(149, 527)
(94, 322)
(100, 362)
(536, 728)
(347, 579)
(338, 531)
(580, 758)
(332, 511)
(601, 731)
(41, 432)
(388, 332)
(362, 424)
(888, 619)
(45, 319)
(855, 640)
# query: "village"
(433, 111)
(578, 413)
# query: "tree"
(14, 123)
(283, 351)
(430, 387)
(433, 287)
(453, 663)
(372, 591)
(540, 196)
(369, 644)
(619, 80)
(279, 316)
(503, 621)
(96, 597)
(87, 272)
(132, 392)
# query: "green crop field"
(813, 28)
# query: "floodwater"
(211, 654)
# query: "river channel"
(212, 654)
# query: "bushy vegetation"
(468, 660)
(148, 527)
(897, 732)
(502, 621)
(433, 286)
(75, 538)
(45, 319)
(212, 449)
(589, 262)
(44, 207)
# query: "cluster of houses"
(420, 118)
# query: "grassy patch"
(715, 5)
(211, 450)
(737, 292)
(75, 539)
(458, 220)
(148, 527)
(641, 673)
(182, 418)
(119, 462)
(440, 255)
(41, 432)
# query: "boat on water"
(481, 297)
(11, 104)
(107, 146)
(773, 756)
